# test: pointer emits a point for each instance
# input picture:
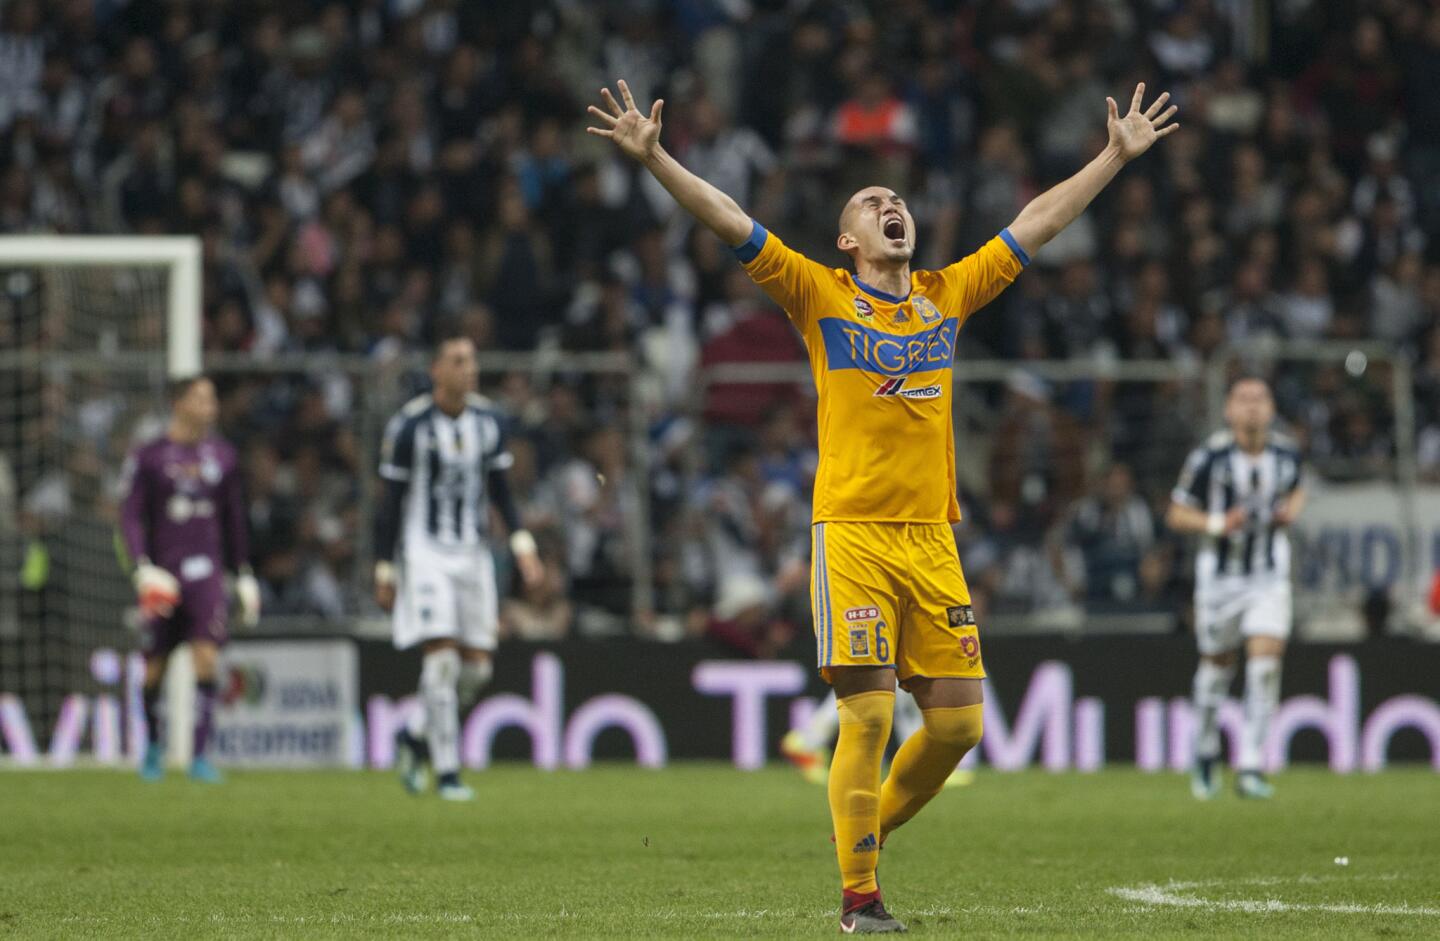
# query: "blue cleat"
(152, 766)
(203, 772)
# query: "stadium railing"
(1361, 547)
(1145, 413)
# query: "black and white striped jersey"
(445, 462)
(1217, 476)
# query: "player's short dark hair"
(450, 333)
(176, 389)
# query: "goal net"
(90, 329)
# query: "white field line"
(1145, 898)
(1178, 895)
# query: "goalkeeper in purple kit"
(183, 522)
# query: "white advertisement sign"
(287, 704)
(1354, 539)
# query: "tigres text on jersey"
(882, 367)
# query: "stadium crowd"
(364, 172)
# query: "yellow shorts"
(892, 595)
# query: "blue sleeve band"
(748, 249)
(1009, 239)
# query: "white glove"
(157, 589)
(247, 592)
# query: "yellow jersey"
(882, 368)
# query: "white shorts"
(1228, 611)
(447, 594)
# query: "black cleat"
(411, 755)
(870, 918)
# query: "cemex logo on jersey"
(896, 386)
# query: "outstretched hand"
(1133, 134)
(635, 134)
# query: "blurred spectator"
(1307, 308)
(594, 501)
(744, 621)
(757, 335)
(1113, 532)
(1036, 458)
(542, 613)
(878, 128)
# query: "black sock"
(205, 696)
(150, 700)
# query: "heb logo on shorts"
(896, 386)
(862, 614)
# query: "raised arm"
(638, 137)
(1130, 136)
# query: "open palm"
(635, 134)
(1133, 134)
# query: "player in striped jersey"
(443, 464)
(1239, 492)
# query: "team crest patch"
(962, 615)
(859, 642)
(863, 310)
(926, 308)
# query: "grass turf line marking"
(1150, 896)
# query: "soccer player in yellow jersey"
(890, 602)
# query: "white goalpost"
(177, 255)
(91, 329)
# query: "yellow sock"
(855, 785)
(925, 760)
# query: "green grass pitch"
(706, 851)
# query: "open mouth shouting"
(892, 225)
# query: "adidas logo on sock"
(867, 845)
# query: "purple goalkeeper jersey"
(185, 507)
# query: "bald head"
(876, 226)
(854, 204)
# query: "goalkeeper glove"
(247, 592)
(157, 589)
